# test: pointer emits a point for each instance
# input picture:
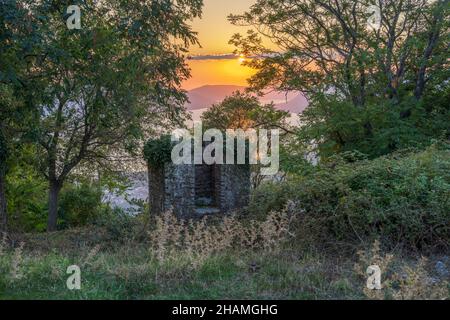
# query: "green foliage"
(27, 199)
(295, 158)
(243, 111)
(17, 37)
(157, 152)
(98, 90)
(3, 151)
(120, 226)
(403, 198)
(371, 91)
(374, 130)
(269, 196)
(80, 204)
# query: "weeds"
(3, 244)
(198, 240)
(416, 283)
(16, 261)
(227, 258)
(91, 255)
(400, 280)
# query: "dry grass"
(199, 239)
(16, 261)
(400, 280)
(225, 258)
(3, 243)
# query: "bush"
(399, 199)
(80, 204)
(157, 151)
(27, 198)
(119, 225)
(269, 196)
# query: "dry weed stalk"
(200, 239)
(16, 261)
(91, 255)
(417, 284)
(407, 283)
(3, 244)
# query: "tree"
(3, 158)
(17, 35)
(103, 86)
(244, 111)
(366, 86)
(8, 139)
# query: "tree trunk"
(53, 196)
(3, 212)
(156, 187)
(433, 39)
(3, 157)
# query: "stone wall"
(233, 187)
(185, 187)
(180, 189)
(205, 191)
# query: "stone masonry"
(195, 190)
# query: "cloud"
(229, 56)
(226, 56)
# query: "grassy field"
(134, 274)
(131, 269)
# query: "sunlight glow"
(218, 72)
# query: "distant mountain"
(295, 105)
(205, 96)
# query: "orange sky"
(214, 32)
(213, 28)
(214, 72)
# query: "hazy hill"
(205, 96)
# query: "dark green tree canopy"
(369, 88)
(99, 90)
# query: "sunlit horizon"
(218, 72)
(211, 67)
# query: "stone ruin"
(195, 190)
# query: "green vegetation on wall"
(157, 151)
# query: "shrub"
(400, 199)
(269, 196)
(157, 151)
(27, 199)
(80, 204)
(119, 225)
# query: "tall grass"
(226, 258)
(198, 239)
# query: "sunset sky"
(214, 32)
